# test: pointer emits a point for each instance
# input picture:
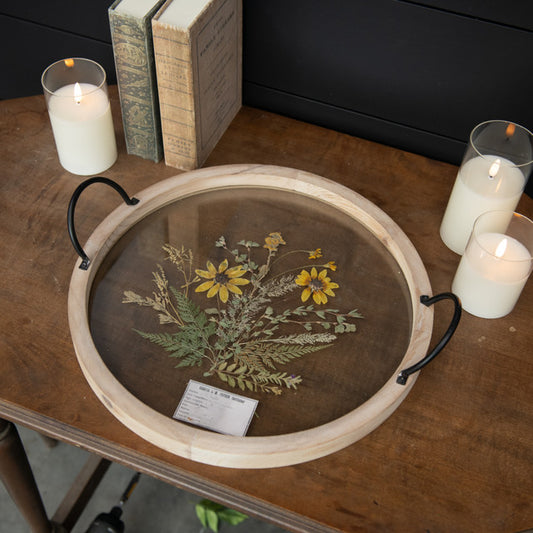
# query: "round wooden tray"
(347, 389)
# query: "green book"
(131, 33)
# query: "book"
(198, 56)
(131, 35)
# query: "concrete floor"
(154, 506)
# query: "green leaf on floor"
(210, 514)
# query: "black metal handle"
(427, 301)
(85, 261)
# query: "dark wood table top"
(457, 455)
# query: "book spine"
(172, 50)
(217, 69)
(137, 86)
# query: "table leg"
(16, 474)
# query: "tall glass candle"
(496, 264)
(80, 115)
(492, 176)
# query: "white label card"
(215, 409)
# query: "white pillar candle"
(491, 275)
(83, 128)
(483, 184)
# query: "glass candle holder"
(492, 176)
(76, 96)
(496, 264)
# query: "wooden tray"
(347, 387)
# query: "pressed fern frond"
(304, 338)
(271, 353)
(188, 311)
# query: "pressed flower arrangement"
(242, 340)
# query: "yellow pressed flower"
(316, 254)
(273, 241)
(318, 285)
(331, 265)
(221, 281)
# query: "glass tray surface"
(336, 379)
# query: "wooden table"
(456, 456)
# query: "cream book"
(198, 57)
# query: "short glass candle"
(496, 264)
(492, 176)
(76, 96)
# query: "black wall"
(416, 75)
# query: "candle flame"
(509, 132)
(77, 93)
(500, 250)
(494, 168)
(69, 62)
